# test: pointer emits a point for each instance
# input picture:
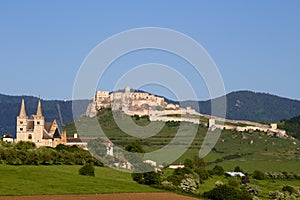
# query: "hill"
(254, 106)
(250, 150)
(64, 179)
(241, 105)
(292, 126)
(52, 109)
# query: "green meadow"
(64, 179)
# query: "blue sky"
(255, 44)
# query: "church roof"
(48, 126)
(39, 109)
(22, 110)
(46, 135)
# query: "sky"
(254, 44)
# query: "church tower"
(39, 123)
(22, 120)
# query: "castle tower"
(127, 90)
(22, 120)
(39, 123)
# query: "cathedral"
(36, 130)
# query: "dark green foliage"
(254, 106)
(202, 173)
(25, 145)
(135, 147)
(188, 163)
(178, 175)
(292, 126)
(289, 189)
(25, 153)
(87, 170)
(225, 192)
(237, 169)
(199, 162)
(258, 175)
(147, 178)
(138, 177)
(233, 182)
(218, 170)
(173, 123)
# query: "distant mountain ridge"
(256, 106)
(241, 105)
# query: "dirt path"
(121, 196)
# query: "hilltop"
(254, 106)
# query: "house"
(235, 174)
(83, 143)
(8, 138)
(176, 166)
(35, 129)
(150, 162)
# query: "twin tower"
(36, 130)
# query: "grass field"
(64, 179)
(266, 154)
(264, 185)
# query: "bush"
(147, 178)
(218, 183)
(189, 184)
(233, 182)
(87, 170)
(258, 175)
(288, 189)
(225, 192)
(253, 189)
(218, 170)
(203, 174)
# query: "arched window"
(29, 136)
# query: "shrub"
(147, 178)
(151, 178)
(233, 182)
(203, 174)
(189, 184)
(253, 189)
(258, 175)
(218, 170)
(288, 189)
(225, 192)
(237, 169)
(87, 170)
(218, 183)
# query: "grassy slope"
(29, 180)
(266, 154)
(264, 185)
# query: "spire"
(39, 109)
(22, 110)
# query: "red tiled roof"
(79, 140)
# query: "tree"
(225, 192)
(147, 178)
(199, 162)
(258, 175)
(135, 147)
(218, 170)
(188, 163)
(237, 169)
